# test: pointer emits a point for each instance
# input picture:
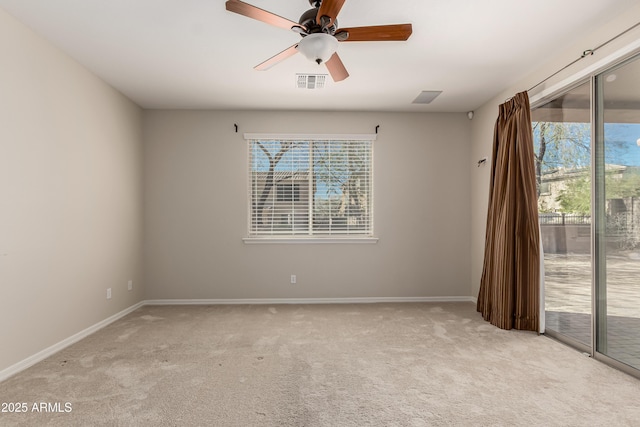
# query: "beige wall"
(196, 210)
(70, 205)
(483, 122)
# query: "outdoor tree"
(576, 197)
(560, 145)
(269, 182)
(565, 147)
(341, 170)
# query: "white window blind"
(302, 186)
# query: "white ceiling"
(195, 54)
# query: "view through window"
(308, 187)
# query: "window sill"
(308, 240)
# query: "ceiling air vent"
(310, 81)
(426, 96)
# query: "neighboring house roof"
(563, 174)
(284, 175)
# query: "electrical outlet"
(108, 293)
(130, 285)
(293, 278)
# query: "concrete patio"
(568, 301)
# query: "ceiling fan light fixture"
(318, 47)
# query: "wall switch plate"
(108, 293)
(293, 278)
(130, 285)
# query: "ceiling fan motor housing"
(308, 21)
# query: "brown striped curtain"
(509, 294)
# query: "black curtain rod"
(585, 53)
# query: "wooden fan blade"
(329, 8)
(250, 11)
(290, 51)
(336, 68)
(379, 33)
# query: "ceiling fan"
(320, 33)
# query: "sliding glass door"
(618, 211)
(562, 143)
(587, 147)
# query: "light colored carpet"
(320, 365)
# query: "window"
(288, 192)
(545, 189)
(310, 186)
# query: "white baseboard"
(255, 301)
(49, 351)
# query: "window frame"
(309, 238)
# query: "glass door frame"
(599, 219)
